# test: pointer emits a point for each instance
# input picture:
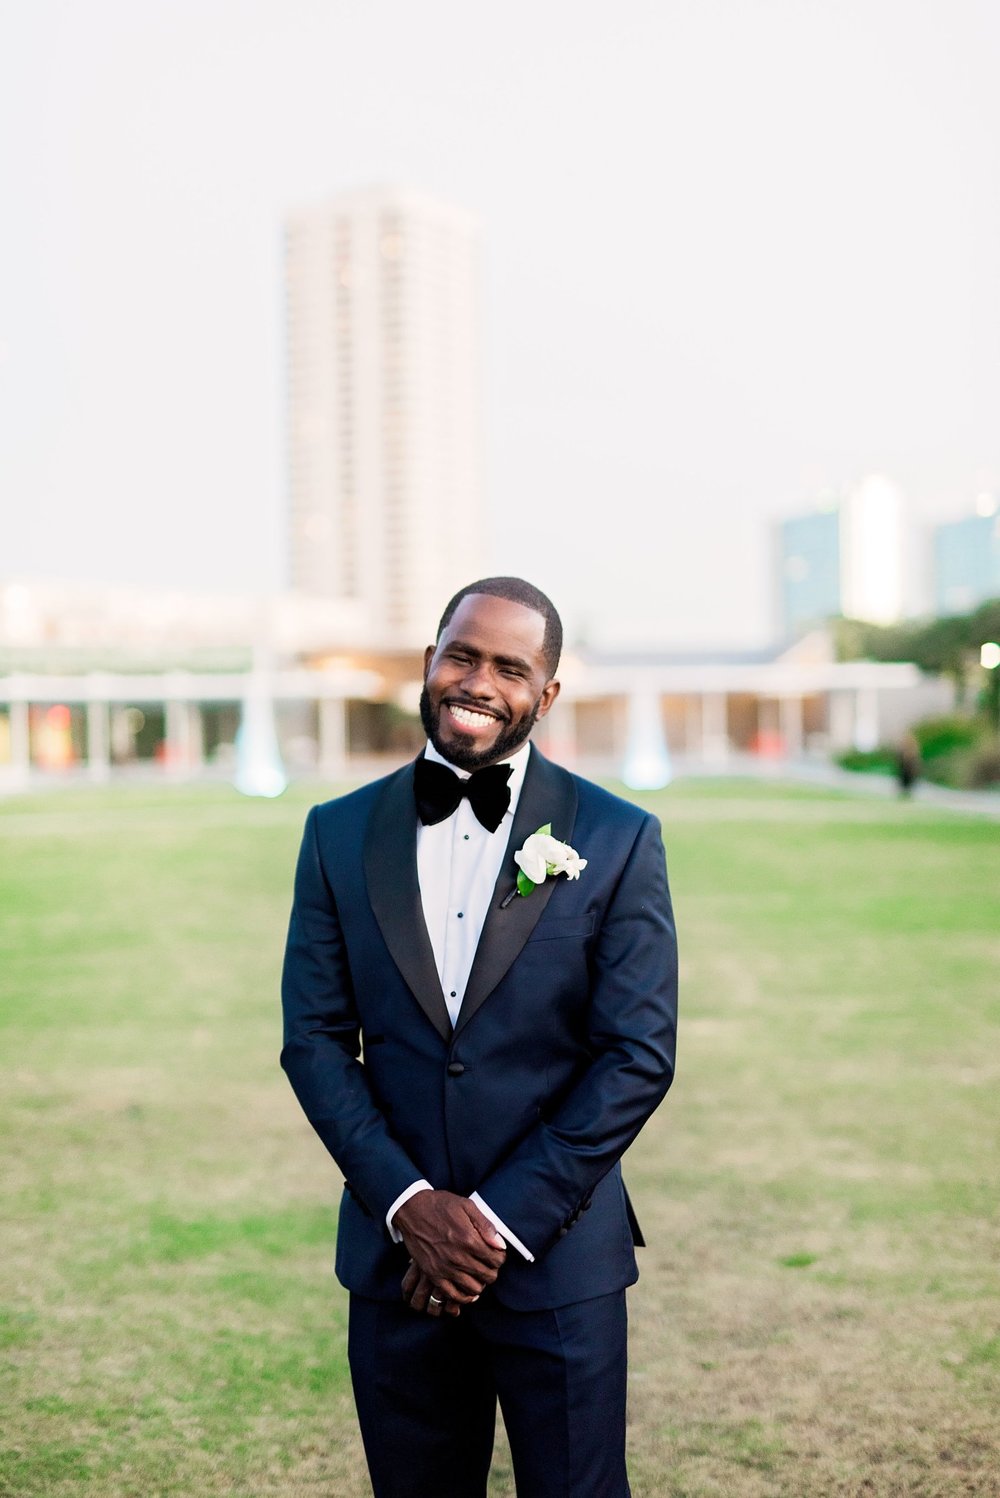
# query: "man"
(516, 1035)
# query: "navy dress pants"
(427, 1387)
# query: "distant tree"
(942, 647)
(858, 639)
(984, 623)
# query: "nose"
(478, 682)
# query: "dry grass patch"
(817, 1309)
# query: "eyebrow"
(501, 660)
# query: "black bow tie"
(439, 790)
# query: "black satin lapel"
(548, 795)
(394, 895)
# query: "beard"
(510, 738)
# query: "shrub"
(982, 767)
(880, 761)
(947, 769)
(942, 736)
(953, 751)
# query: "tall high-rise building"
(967, 559)
(384, 407)
(848, 558)
(873, 552)
(809, 570)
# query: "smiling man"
(477, 1048)
(490, 677)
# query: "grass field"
(818, 1309)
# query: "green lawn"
(818, 1311)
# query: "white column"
(98, 742)
(332, 736)
(714, 731)
(560, 742)
(841, 720)
(177, 728)
(866, 718)
(182, 726)
(693, 726)
(767, 716)
(195, 735)
(20, 743)
(647, 762)
(619, 730)
(790, 719)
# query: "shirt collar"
(518, 764)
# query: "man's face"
(485, 681)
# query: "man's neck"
(518, 760)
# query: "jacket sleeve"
(322, 1043)
(541, 1187)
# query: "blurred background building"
(387, 511)
(103, 680)
(808, 570)
(387, 517)
(852, 557)
(967, 559)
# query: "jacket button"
(562, 1232)
(455, 1068)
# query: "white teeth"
(470, 719)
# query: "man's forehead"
(500, 622)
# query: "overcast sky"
(737, 252)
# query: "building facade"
(809, 570)
(967, 561)
(387, 509)
(850, 558)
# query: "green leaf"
(524, 884)
(547, 830)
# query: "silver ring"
(435, 1300)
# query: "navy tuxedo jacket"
(563, 1047)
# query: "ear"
(428, 657)
(549, 694)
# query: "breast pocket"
(552, 928)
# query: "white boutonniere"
(544, 855)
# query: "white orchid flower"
(542, 855)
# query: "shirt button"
(466, 837)
(454, 993)
(460, 915)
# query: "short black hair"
(516, 590)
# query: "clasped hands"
(455, 1251)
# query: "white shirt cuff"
(404, 1196)
(501, 1227)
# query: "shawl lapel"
(394, 894)
(548, 795)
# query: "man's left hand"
(455, 1245)
(421, 1294)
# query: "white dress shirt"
(458, 861)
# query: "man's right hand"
(451, 1241)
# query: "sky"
(737, 255)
